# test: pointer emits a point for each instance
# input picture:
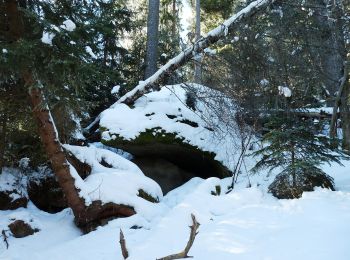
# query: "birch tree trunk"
(152, 38)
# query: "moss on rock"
(146, 196)
(172, 147)
(217, 191)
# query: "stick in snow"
(5, 239)
(184, 253)
(122, 242)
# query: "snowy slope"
(246, 224)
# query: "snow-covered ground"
(245, 224)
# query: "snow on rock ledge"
(117, 180)
(160, 124)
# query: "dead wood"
(5, 238)
(122, 242)
(184, 253)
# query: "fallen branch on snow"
(5, 238)
(122, 242)
(184, 253)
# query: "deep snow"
(245, 224)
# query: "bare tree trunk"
(86, 217)
(345, 116)
(3, 137)
(341, 98)
(54, 151)
(197, 58)
(173, 26)
(44, 121)
(152, 38)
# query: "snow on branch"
(213, 36)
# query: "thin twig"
(5, 238)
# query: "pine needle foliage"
(294, 145)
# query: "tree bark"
(44, 121)
(345, 116)
(198, 58)
(3, 136)
(152, 38)
(173, 25)
(340, 99)
(54, 151)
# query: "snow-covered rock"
(114, 179)
(160, 124)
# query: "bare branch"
(184, 253)
(5, 238)
(122, 242)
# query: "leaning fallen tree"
(158, 79)
(86, 216)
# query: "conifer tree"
(295, 146)
(51, 50)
